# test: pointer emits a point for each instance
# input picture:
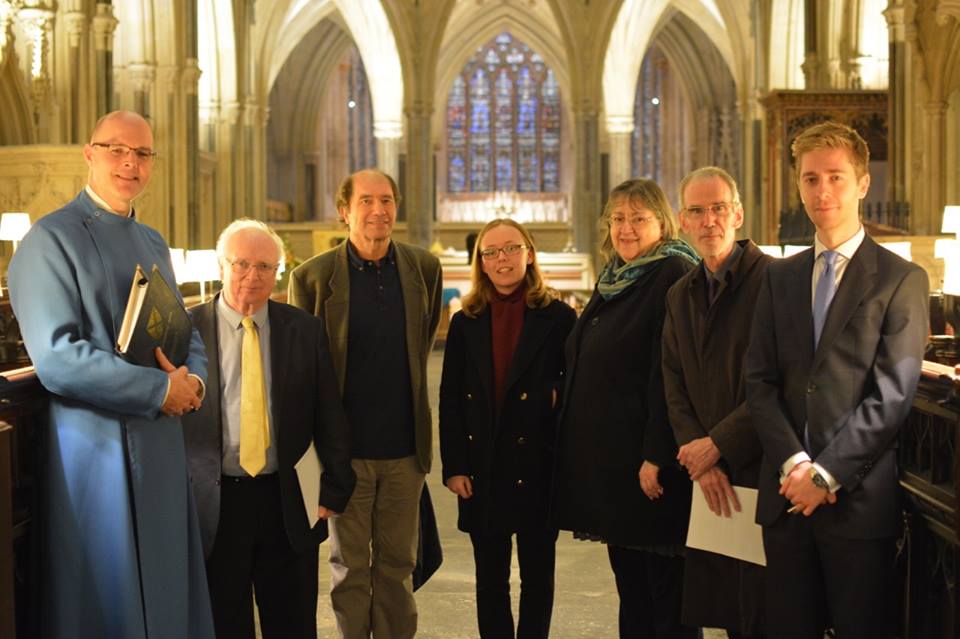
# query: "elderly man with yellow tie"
(272, 391)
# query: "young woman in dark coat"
(498, 396)
(617, 477)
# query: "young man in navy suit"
(836, 348)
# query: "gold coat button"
(470, 438)
(469, 396)
(523, 396)
(519, 483)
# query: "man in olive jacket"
(705, 336)
(381, 303)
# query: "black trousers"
(251, 554)
(650, 588)
(536, 551)
(818, 580)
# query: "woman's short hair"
(482, 290)
(641, 193)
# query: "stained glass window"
(363, 146)
(503, 122)
(648, 128)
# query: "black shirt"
(377, 394)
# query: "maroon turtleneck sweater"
(506, 322)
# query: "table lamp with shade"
(948, 249)
(13, 226)
(202, 266)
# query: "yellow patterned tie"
(254, 430)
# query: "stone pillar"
(227, 141)
(587, 197)
(852, 57)
(898, 123)
(104, 25)
(388, 135)
(927, 216)
(620, 134)
(256, 119)
(751, 180)
(37, 23)
(76, 64)
(419, 191)
(189, 83)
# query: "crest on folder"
(155, 325)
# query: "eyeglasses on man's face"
(509, 250)
(242, 267)
(120, 151)
(636, 221)
(720, 209)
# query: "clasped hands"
(183, 393)
(700, 457)
(799, 489)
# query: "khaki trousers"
(372, 592)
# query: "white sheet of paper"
(308, 474)
(738, 536)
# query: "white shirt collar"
(846, 250)
(234, 318)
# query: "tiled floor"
(585, 602)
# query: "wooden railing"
(23, 403)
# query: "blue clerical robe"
(120, 541)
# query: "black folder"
(154, 317)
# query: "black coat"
(508, 457)
(306, 407)
(615, 417)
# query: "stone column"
(226, 123)
(256, 116)
(898, 123)
(37, 23)
(76, 63)
(587, 198)
(419, 191)
(751, 180)
(388, 135)
(927, 216)
(104, 25)
(852, 57)
(189, 83)
(620, 134)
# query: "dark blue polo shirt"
(377, 395)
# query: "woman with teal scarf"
(617, 478)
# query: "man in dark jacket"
(705, 336)
(271, 394)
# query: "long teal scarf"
(618, 276)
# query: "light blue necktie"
(823, 295)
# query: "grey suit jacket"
(321, 286)
(854, 391)
(306, 407)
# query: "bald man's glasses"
(120, 151)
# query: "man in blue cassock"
(121, 553)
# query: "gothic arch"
(367, 22)
(635, 26)
(296, 106)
